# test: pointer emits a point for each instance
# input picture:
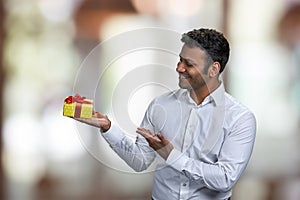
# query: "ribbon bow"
(77, 98)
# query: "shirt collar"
(217, 96)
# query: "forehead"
(194, 53)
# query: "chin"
(184, 86)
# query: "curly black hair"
(211, 41)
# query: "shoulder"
(237, 110)
(169, 100)
(169, 97)
(234, 104)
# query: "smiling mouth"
(184, 77)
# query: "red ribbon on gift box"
(77, 98)
(79, 101)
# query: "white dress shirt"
(212, 143)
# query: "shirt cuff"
(177, 160)
(113, 135)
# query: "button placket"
(184, 187)
(190, 129)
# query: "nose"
(180, 67)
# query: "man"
(201, 136)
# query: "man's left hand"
(158, 142)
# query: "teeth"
(183, 77)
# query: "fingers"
(158, 142)
(98, 120)
(93, 121)
(149, 135)
(144, 131)
(99, 115)
(160, 136)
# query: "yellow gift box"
(78, 107)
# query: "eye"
(189, 64)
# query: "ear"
(214, 69)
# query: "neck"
(201, 93)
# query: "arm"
(138, 155)
(232, 161)
(233, 158)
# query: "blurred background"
(43, 44)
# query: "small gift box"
(78, 107)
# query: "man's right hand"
(98, 120)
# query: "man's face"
(191, 68)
